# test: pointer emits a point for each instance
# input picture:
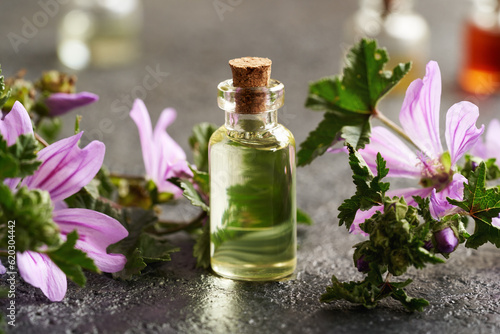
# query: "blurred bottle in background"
(397, 27)
(102, 33)
(480, 72)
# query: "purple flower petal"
(17, 122)
(66, 168)
(439, 205)
(61, 103)
(491, 147)
(12, 183)
(446, 240)
(461, 131)
(171, 159)
(171, 151)
(163, 157)
(492, 142)
(419, 115)
(496, 222)
(39, 270)
(360, 218)
(401, 161)
(140, 115)
(96, 232)
(2, 268)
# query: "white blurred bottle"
(397, 27)
(102, 33)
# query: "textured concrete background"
(190, 41)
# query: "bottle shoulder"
(277, 137)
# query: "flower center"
(435, 173)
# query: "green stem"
(41, 140)
(396, 128)
(4, 253)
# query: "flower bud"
(61, 103)
(362, 265)
(446, 241)
(56, 82)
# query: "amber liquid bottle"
(480, 73)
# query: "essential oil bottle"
(252, 178)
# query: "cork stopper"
(250, 72)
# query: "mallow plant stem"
(396, 128)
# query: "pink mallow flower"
(61, 103)
(433, 167)
(163, 157)
(65, 169)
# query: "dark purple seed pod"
(362, 265)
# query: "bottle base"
(249, 272)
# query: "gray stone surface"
(190, 41)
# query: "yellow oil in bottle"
(252, 202)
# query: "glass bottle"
(104, 33)
(480, 73)
(397, 27)
(252, 187)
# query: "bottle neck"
(259, 122)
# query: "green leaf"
(370, 191)
(350, 100)
(364, 293)
(199, 144)
(4, 91)
(140, 247)
(482, 205)
(190, 193)
(303, 218)
(483, 233)
(71, 261)
(328, 132)
(155, 249)
(201, 179)
(201, 250)
(412, 304)
(26, 215)
(19, 159)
